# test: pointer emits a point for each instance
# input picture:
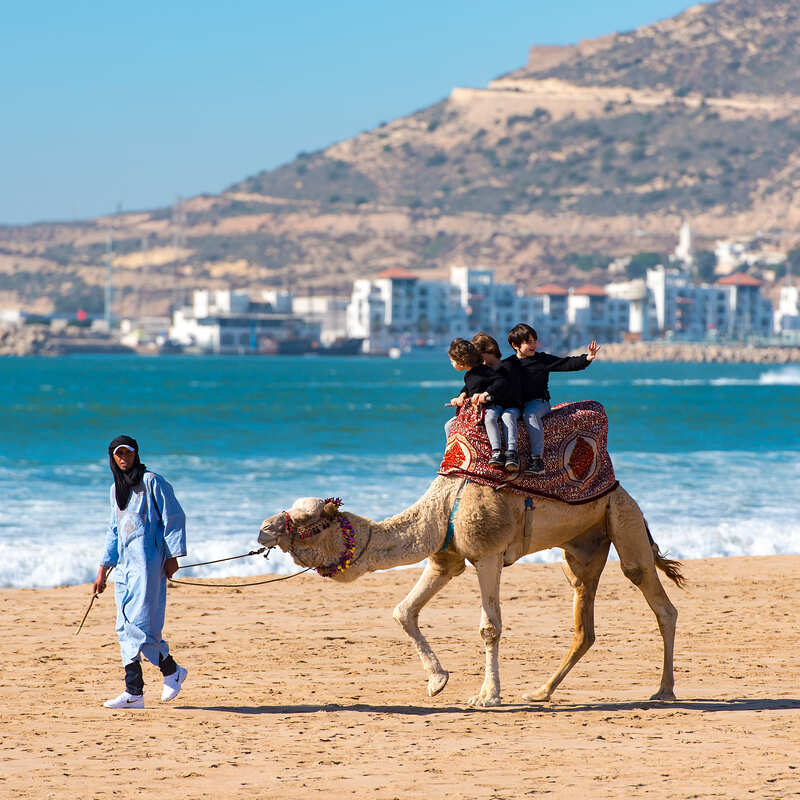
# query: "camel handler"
(146, 535)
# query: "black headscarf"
(125, 482)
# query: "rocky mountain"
(589, 151)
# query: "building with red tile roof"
(551, 289)
(397, 274)
(739, 279)
(590, 290)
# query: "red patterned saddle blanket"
(577, 465)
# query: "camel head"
(306, 516)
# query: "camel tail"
(671, 568)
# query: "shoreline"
(214, 580)
(306, 685)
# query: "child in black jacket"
(510, 398)
(490, 388)
(534, 370)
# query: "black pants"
(134, 682)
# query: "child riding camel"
(534, 370)
(492, 389)
(510, 399)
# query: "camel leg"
(407, 614)
(489, 570)
(628, 532)
(584, 577)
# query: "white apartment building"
(530, 309)
(545, 310)
(397, 302)
(592, 312)
(219, 301)
(476, 296)
(682, 308)
(733, 307)
(229, 322)
(748, 312)
(498, 307)
(787, 317)
(329, 311)
(636, 295)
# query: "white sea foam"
(387, 384)
(670, 382)
(52, 524)
(698, 504)
(784, 376)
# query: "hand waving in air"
(593, 350)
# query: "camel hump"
(578, 467)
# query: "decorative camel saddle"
(577, 465)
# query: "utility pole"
(108, 283)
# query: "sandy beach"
(306, 688)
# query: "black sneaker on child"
(512, 461)
(497, 459)
(535, 466)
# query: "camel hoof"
(541, 695)
(663, 694)
(484, 702)
(437, 682)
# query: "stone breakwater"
(39, 340)
(709, 353)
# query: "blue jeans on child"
(493, 416)
(508, 417)
(532, 413)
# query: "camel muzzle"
(271, 530)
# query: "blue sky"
(133, 104)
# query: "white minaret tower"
(685, 249)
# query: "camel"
(491, 529)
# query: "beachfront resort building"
(592, 312)
(230, 322)
(638, 301)
(397, 304)
(545, 308)
(328, 311)
(748, 312)
(397, 309)
(731, 308)
(787, 316)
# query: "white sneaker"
(172, 684)
(126, 700)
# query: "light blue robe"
(139, 540)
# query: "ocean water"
(710, 452)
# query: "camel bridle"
(294, 532)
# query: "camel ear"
(330, 510)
